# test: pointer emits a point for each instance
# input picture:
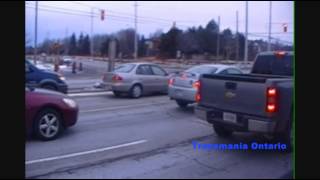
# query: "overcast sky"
(56, 19)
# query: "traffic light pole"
(36, 34)
(135, 32)
(91, 43)
(246, 36)
(270, 16)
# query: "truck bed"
(238, 93)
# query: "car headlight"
(71, 103)
(62, 78)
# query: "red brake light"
(117, 78)
(171, 80)
(280, 54)
(272, 92)
(198, 97)
(271, 105)
(197, 85)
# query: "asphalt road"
(148, 137)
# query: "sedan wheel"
(136, 91)
(48, 125)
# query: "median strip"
(84, 152)
(90, 94)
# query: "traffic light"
(102, 15)
(285, 27)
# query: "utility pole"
(218, 39)
(135, 32)
(237, 37)
(246, 36)
(91, 42)
(67, 43)
(36, 33)
(270, 16)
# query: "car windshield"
(202, 70)
(125, 68)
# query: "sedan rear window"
(125, 68)
(202, 70)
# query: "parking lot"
(141, 138)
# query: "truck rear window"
(273, 65)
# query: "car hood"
(48, 92)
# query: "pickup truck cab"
(36, 77)
(261, 101)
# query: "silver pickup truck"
(261, 101)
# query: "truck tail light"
(116, 78)
(280, 54)
(272, 95)
(171, 81)
(197, 84)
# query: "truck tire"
(182, 104)
(286, 138)
(222, 131)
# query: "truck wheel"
(221, 131)
(182, 104)
(286, 138)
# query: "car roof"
(141, 63)
(219, 66)
(273, 52)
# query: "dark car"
(36, 77)
(48, 112)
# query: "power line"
(132, 15)
(79, 12)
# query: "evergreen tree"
(73, 45)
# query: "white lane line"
(124, 107)
(90, 94)
(84, 152)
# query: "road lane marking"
(84, 152)
(124, 107)
(90, 94)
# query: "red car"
(48, 113)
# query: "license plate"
(230, 117)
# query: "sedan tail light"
(271, 105)
(116, 78)
(171, 81)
